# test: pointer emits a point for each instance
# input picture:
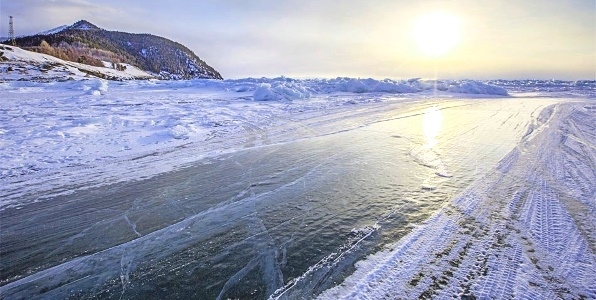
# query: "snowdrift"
(283, 88)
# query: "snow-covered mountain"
(86, 43)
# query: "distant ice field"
(47, 127)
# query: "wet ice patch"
(429, 158)
(324, 267)
(426, 157)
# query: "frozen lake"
(287, 208)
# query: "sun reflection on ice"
(427, 153)
(431, 126)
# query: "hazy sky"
(372, 38)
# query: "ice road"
(147, 194)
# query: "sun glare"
(437, 33)
(431, 126)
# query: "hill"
(85, 43)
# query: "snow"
(289, 89)
(20, 64)
(548, 88)
(78, 25)
(84, 27)
(525, 229)
(473, 87)
(280, 91)
(54, 30)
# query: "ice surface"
(311, 203)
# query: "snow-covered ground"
(524, 228)
(18, 64)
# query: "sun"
(437, 33)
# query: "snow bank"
(291, 89)
(549, 88)
(476, 87)
(280, 91)
(370, 85)
(180, 132)
(96, 87)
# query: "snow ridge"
(283, 88)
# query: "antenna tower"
(11, 32)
